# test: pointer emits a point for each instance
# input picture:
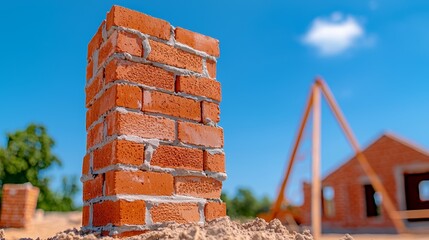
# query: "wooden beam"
(275, 209)
(316, 190)
(369, 171)
(413, 214)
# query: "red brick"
(85, 164)
(198, 134)
(210, 112)
(93, 88)
(163, 53)
(197, 41)
(96, 40)
(95, 135)
(140, 125)
(178, 157)
(213, 210)
(120, 16)
(85, 215)
(177, 212)
(89, 70)
(116, 96)
(203, 187)
(119, 213)
(176, 106)
(139, 73)
(120, 42)
(214, 162)
(118, 152)
(146, 183)
(211, 68)
(204, 87)
(93, 188)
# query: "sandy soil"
(53, 223)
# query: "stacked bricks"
(19, 203)
(154, 147)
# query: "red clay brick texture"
(120, 42)
(176, 106)
(140, 74)
(18, 205)
(214, 162)
(119, 212)
(204, 87)
(118, 152)
(213, 210)
(153, 139)
(177, 212)
(210, 112)
(178, 157)
(198, 134)
(140, 125)
(198, 187)
(139, 182)
(198, 41)
(93, 188)
(163, 53)
(123, 17)
(96, 40)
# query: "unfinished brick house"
(349, 201)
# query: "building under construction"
(350, 203)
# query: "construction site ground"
(54, 222)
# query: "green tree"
(244, 204)
(26, 155)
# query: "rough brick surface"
(204, 87)
(139, 182)
(211, 68)
(119, 213)
(123, 17)
(177, 212)
(120, 42)
(213, 210)
(96, 40)
(210, 112)
(93, 188)
(140, 74)
(116, 96)
(152, 127)
(93, 88)
(176, 106)
(163, 53)
(198, 134)
(140, 125)
(214, 162)
(198, 187)
(197, 41)
(118, 152)
(178, 157)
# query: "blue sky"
(374, 54)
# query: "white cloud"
(334, 35)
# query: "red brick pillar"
(19, 203)
(154, 147)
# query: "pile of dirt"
(219, 229)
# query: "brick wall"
(390, 157)
(154, 147)
(19, 203)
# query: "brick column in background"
(19, 203)
(154, 147)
